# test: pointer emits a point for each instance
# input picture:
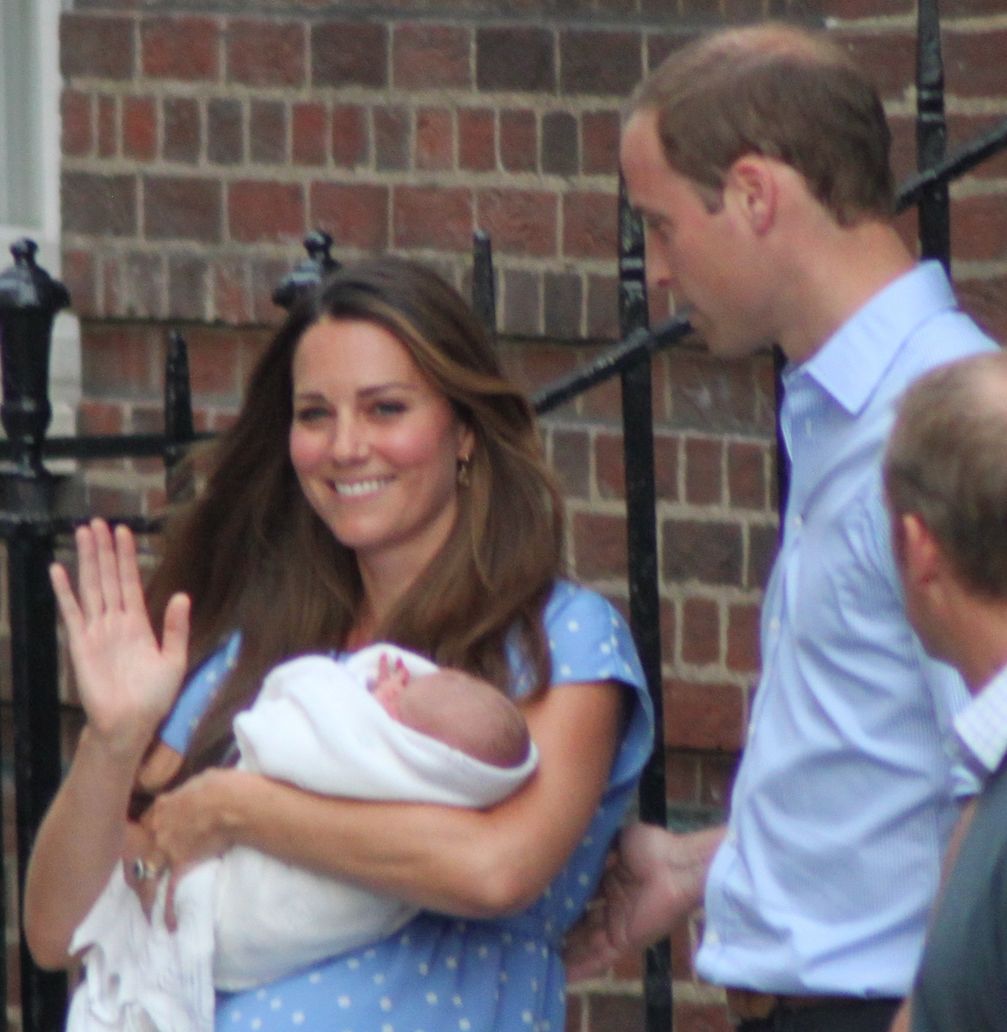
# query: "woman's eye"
(312, 414)
(388, 407)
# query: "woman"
(383, 481)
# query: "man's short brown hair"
(946, 463)
(782, 92)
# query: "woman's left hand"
(190, 823)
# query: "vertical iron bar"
(179, 429)
(483, 289)
(37, 767)
(29, 301)
(931, 134)
(3, 886)
(644, 600)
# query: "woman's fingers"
(108, 565)
(144, 876)
(128, 569)
(170, 915)
(69, 609)
(175, 636)
(108, 574)
(92, 601)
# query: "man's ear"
(917, 550)
(752, 184)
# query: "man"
(946, 479)
(758, 160)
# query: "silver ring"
(145, 870)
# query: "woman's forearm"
(127, 680)
(80, 840)
(466, 862)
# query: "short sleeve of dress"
(590, 641)
(197, 693)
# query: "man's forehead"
(640, 130)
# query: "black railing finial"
(309, 272)
(29, 301)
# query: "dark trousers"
(854, 1016)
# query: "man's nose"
(660, 273)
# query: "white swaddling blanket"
(315, 725)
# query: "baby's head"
(457, 709)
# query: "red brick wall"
(202, 141)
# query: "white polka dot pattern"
(440, 973)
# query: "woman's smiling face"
(374, 443)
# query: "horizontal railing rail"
(963, 159)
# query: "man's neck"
(980, 644)
(841, 270)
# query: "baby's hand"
(389, 676)
(390, 682)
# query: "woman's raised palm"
(126, 679)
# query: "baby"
(381, 724)
(397, 728)
(457, 709)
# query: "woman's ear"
(466, 443)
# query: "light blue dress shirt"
(846, 793)
(982, 726)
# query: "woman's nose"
(348, 442)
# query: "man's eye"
(657, 226)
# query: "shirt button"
(774, 625)
(711, 936)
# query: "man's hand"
(655, 879)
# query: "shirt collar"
(849, 365)
(982, 724)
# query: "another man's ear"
(917, 550)
(752, 182)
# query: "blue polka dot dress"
(439, 973)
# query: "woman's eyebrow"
(310, 394)
(392, 385)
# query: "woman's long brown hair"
(254, 557)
